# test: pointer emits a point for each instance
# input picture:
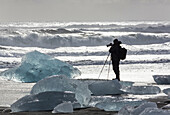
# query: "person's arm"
(111, 50)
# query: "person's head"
(115, 41)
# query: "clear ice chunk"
(36, 66)
(155, 111)
(142, 90)
(98, 99)
(162, 79)
(167, 91)
(65, 107)
(126, 83)
(42, 101)
(142, 107)
(105, 87)
(63, 83)
(126, 110)
(117, 105)
(146, 108)
(166, 106)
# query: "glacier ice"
(146, 108)
(162, 79)
(117, 105)
(36, 66)
(142, 90)
(142, 107)
(65, 107)
(63, 83)
(126, 83)
(76, 105)
(155, 111)
(98, 99)
(126, 110)
(42, 101)
(105, 87)
(166, 106)
(167, 91)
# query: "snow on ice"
(36, 66)
(63, 83)
(42, 101)
(162, 79)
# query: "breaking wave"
(53, 35)
(53, 41)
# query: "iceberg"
(162, 79)
(42, 101)
(142, 90)
(36, 66)
(65, 107)
(105, 87)
(63, 83)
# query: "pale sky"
(84, 10)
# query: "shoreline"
(160, 101)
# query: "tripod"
(103, 67)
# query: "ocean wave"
(137, 28)
(56, 31)
(92, 62)
(8, 64)
(53, 35)
(142, 39)
(54, 41)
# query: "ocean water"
(84, 46)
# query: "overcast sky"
(83, 10)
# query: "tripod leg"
(108, 69)
(103, 65)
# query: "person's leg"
(116, 68)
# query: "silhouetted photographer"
(117, 53)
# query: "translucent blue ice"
(65, 107)
(117, 105)
(62, 84)
(142, 90)
(162, 79)
(105, 87)
(36, 66)
(42, 102)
